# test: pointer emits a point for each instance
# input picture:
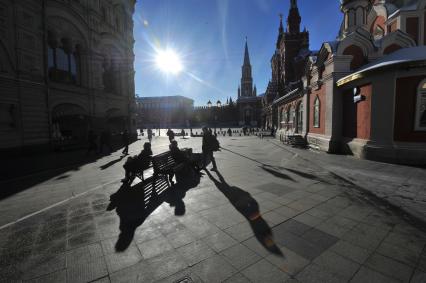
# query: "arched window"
(64, 67)
(420, 123)
(317, 108)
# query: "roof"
(412, 55)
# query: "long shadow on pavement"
(134, 205)
(249, 208)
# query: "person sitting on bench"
(133, 164)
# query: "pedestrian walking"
(149, 135)
(125, 140)
(210, 144)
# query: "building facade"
(248, 103)
(364, 93)
(164, 111)
(66, 67)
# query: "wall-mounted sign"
(357, 95)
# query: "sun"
(168, 61)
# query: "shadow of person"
(134, 204)
(109, 164)
(249, 208)
(276, 173)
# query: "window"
(317, 112)
(420, 123)
(300, 118)
(63, 67)
(282, 121)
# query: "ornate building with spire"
(248, 103)
(287, 64)
(363, 94)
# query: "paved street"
(271, 213)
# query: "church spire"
(294, 19)
(280, 31)
(246, 55)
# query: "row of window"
(295, 116)
(63, 67)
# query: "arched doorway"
(70, 124)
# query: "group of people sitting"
(186, 160)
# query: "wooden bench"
(166, 167)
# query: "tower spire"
(246, 55)
(294, 19)
(280, 31)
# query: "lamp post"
(209, 105)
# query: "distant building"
(65, 67)
(164, 111)
(248, 103)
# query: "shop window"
(317, 108)
(420, 124)
(300, 117)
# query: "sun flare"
(168, 61)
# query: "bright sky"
(208, 37)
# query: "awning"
(410, 57)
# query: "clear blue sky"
(210, 36)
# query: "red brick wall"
(391, 48)
(364, 113)
(405, 110)
(358, 56)
(321, 95)
(412, 27)
(357, 116)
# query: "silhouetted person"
(210, 144)
(182, 133)
(139, 162)
(171, 135)
(92, 146)
(149, 135)
(125, 140)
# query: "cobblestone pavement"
(270, 214)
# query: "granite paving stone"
(120, 260)
(139, 272)
(289, 262)
(195, 252)
(219, 241)
(59, 276)
(239, 256)
(208, 269)
(389, 267)
(325, 227)
(352, 252)
(87, 271)
(166, 264)
(366, 275)
(264, 271)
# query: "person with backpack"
(210, 144)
